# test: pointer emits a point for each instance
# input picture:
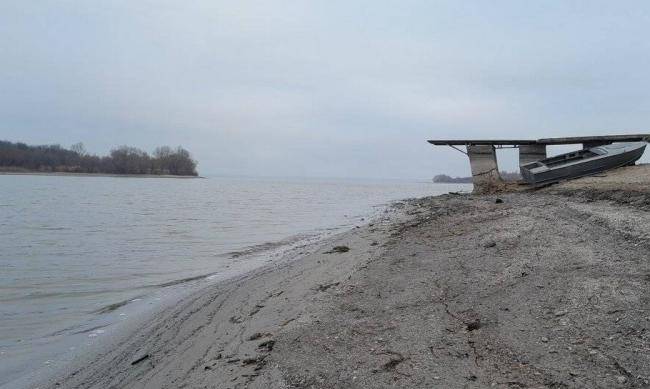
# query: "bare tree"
(79, 148)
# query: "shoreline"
(97, 337)
(297, 257)
(67, 174)
(106, 331)
(539, 289)
(58, 335)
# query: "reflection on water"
(77, 247)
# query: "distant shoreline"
(446, 179)
(20, 157)
(9, 173)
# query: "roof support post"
(531, 153)
(485, 171)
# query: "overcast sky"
(320, 88)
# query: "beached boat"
(582, 162)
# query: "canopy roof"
(543, 141)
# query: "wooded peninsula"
(20, 157)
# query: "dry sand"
(543, 289)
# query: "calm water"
(78, 251)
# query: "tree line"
(121, 160)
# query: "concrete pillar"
(531, 153)
(485, 171)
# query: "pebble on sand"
(338, 249)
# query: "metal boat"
(582, 162)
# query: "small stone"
(267, 346)
(560, 313)
(339, 249)
(473, 325)
(498, 201)
(489, 244)
(255, 336)
(621, 379)
(544, 339)
(249, 361)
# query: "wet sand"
(545, 289)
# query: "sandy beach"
(545, 289)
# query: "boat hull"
(538, 173)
